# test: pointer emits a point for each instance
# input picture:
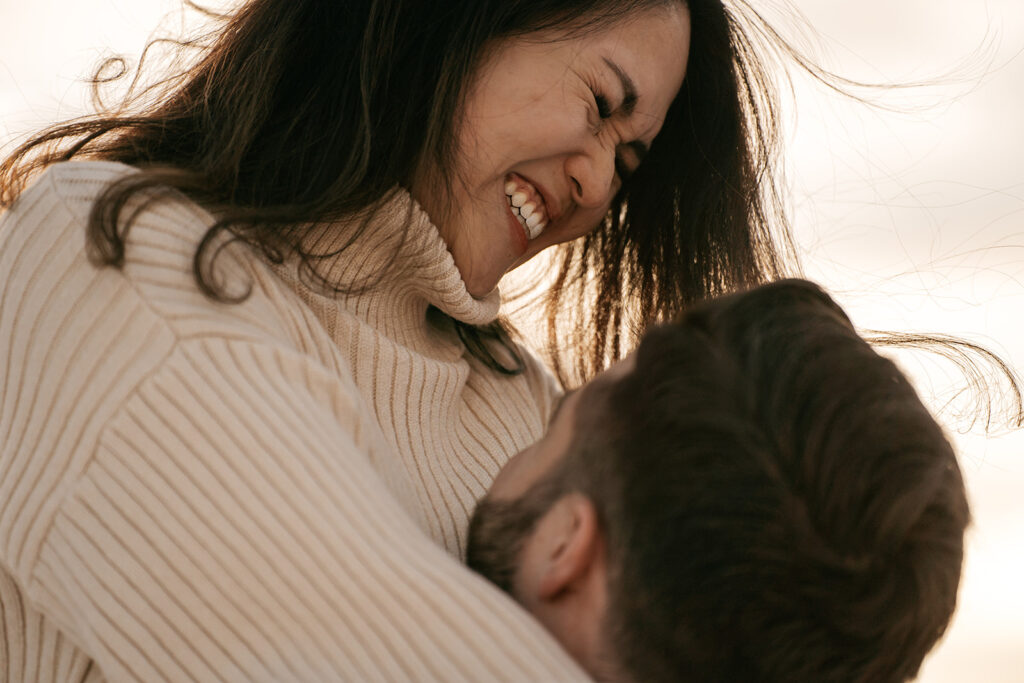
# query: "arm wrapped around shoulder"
(231, 526)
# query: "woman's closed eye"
(604, 107)
(604, 112)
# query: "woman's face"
(549, 128)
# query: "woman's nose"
(592, 175)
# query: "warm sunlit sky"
(914, 220)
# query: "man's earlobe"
(572, 544)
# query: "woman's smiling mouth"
(527, 205)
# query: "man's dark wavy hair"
(779, 504)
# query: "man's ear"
(565, 549)
(562, 580)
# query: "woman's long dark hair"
(294, 112)
(703, 215)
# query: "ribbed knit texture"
(267, 491)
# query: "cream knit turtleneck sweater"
(271, 490)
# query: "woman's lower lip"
(518, 232)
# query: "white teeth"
(535, 230)
(523, 222)
(529, 213)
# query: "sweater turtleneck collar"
(397, 265)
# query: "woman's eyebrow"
(628, 87)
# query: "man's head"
(755, 494)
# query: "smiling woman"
(254, 373)
(552, 126)
(389, 104)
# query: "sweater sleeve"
(230, 526)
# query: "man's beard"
(499, 529)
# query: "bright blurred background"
(915, 221)
(913, 218)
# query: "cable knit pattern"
(271, 490)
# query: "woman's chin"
(481, 286)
